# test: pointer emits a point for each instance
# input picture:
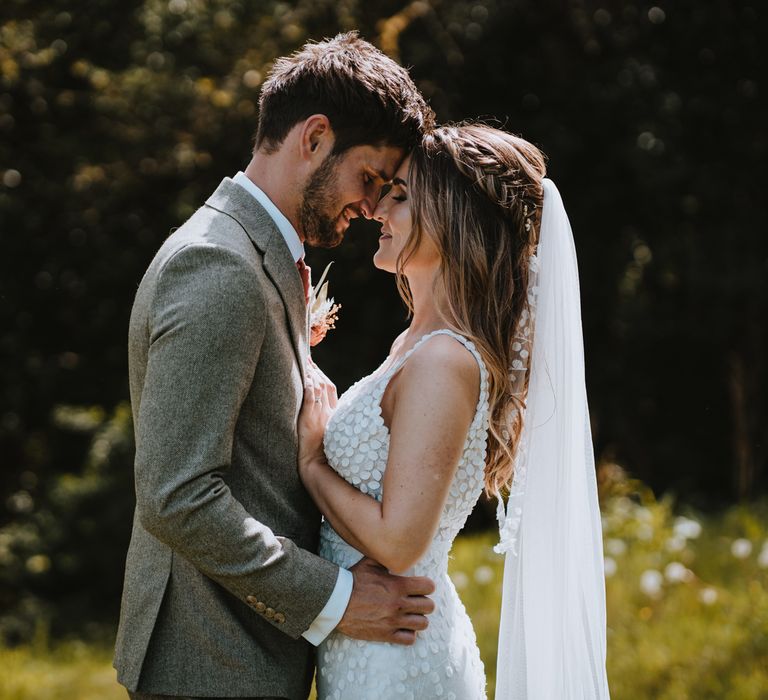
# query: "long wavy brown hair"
(477, 192)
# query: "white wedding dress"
(445, 661)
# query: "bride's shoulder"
(444, 358)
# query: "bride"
(483, 391)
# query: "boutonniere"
(323, 312)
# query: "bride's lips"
(385, 236)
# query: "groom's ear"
(316, 138)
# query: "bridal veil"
(552, 641)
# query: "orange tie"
(304, 272)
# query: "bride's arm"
(434, 401)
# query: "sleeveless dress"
(445, 661)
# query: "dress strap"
(468, 344)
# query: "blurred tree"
(117, 119)
(61, 557)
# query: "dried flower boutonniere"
(322, 310)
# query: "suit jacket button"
(260, 607)
(251, 600)
(270, 613)
(279, 618)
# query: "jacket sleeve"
(206, 328)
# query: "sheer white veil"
(552, 639)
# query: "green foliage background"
(117, 119)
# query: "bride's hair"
(477, 192)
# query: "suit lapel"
(232, 200)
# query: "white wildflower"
(741, 548)
(651, 582)
(644, 531)
(686, 527)
(675, 572)
(622, 506)
(483, 574)
(615, 546)
(675, 543)
(643, 514)
(460, 579)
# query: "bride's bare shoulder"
(444, 359)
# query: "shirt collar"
(285, 227)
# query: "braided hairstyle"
(477, 192)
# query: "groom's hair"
(367, 97)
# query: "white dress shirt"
(334, 609)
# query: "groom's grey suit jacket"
(221, 579)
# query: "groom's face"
(343, 187)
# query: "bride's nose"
(381, 212)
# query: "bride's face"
(394, 213)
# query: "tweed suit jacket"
(221, 576)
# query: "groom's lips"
(343, 219)
(347, 214)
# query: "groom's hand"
(384, 607)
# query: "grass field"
(69, 671)
(687, 612)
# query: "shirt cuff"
(334, 609)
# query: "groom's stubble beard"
(317, 200)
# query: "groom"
(224, 595)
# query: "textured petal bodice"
(357, 443)
(444, 662)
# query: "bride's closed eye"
(399, 187)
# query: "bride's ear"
(316, 139)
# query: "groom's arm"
(206, 326)
(330, 616)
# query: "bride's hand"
(319, 403)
